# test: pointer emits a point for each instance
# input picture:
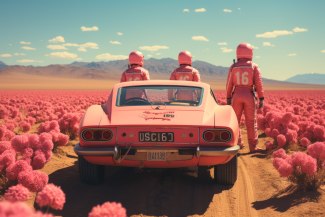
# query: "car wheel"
(226, 174)
(90, 173)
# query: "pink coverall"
(244, 78)
(135, 73)
(185, 73)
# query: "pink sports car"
(159, 124)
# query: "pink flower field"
(36, 125)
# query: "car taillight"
(87, 135)
(107, 135)
(102, 135)
(208, 136)
(217, 135)
(225, 136)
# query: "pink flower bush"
(283, 166)
(305, 142)
(109, 209)
(280, 153)
(51, 196)
(16, 168)
(281, 140)
(317, 151)
(34, 180)
(17, 193)
(19, 209)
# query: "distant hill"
(90, 73)
(313, 78)
(155, 66)
(2, 65)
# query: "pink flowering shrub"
(317, 151)
(300, 168)
(51, 196)
(108, 209)
(69, 124)
(19, 209)
(17, 193)
(281, 140)
(33, 180)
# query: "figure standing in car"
(244, 80)
(135, 72)
(185, 72)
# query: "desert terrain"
(259, 191)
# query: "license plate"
(156, 156)
(156, 137)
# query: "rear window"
(159, 95)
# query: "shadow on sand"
(153, 192)
(287, 198)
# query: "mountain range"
(313, 78)
(158, 68)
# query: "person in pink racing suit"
(244, 79)
(185, 72)
(135, 72)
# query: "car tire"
(90, 173)
(226, 174)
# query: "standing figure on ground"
(185, 72)
(244, 80)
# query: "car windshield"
(159, 95)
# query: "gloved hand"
(228, 101)
(261, 103)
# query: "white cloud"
(322, 51)
(19, 54)
(57, 39)
(108, 56)
(6, 55)
(82, 47)
(222, 43)
(27, 61)
(56, 47)
(119, 33)
(199, 38)
(268, 44)
(298, 29)
(186, 10)
(27, 48)
(89, 29)
(115, 42)
(63, 55)
(274, 34)
(226, 10)
(91, 45)
(25, 42)
(226, 50)
(200, 10)
(292, 54)
(154, 47)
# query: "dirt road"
(259, 191)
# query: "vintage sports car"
(159, 124)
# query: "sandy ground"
(259, 191)
(21, 81)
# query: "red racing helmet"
(245, 50)
(185, 57)
(136, 57)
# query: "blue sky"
(288, 35)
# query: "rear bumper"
(116, 152)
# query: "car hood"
(162, 117)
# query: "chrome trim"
(111, 151)
(217, 151)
